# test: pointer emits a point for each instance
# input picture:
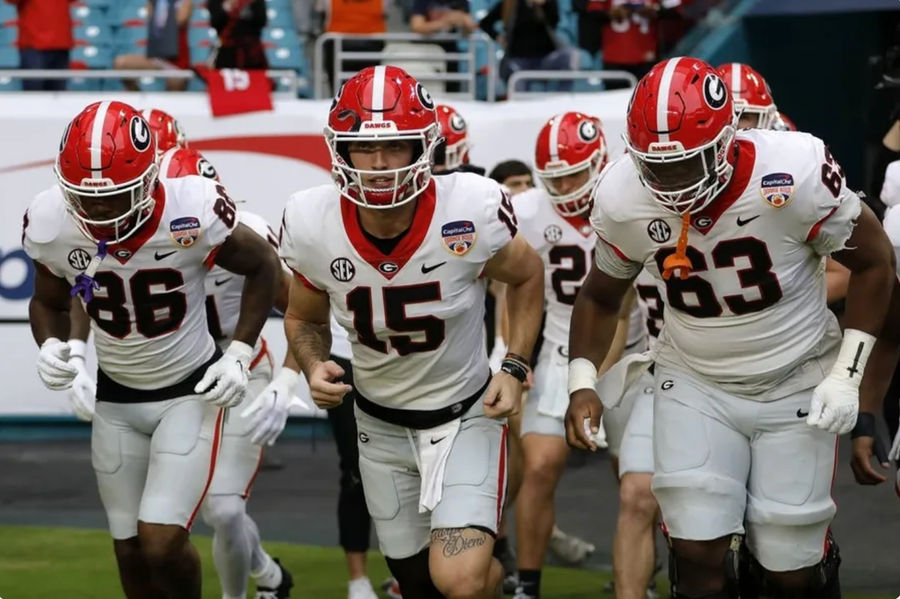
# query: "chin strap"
(85, 285)
(679, 260)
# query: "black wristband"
(517, 358)
(865, 425)
(514, 368)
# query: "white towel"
(553, 390)
(611, 386)
(431, 447)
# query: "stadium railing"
(517, 86)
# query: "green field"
(51, 563)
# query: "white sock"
(269, 576)
(359, 584)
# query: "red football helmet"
(382, 103)
(107, 170)
(783, 123)
(679, 127)
(181, 162)
(169, 133)
(570, 144)
(750, 93)
(456, 136)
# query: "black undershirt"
(385, 246)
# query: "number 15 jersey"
(414, 316)
(753, 310)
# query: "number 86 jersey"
(414, 316)
(753, 309)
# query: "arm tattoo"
(312, 343)
(457, 541)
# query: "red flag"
(233, 91)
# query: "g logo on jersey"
(714, 92)
(140, 133)
(388, 268)
(342, 269)
(457, 123)
(659, 230)
(79, 259)
(587, 131)
(703, 222)
(553, 234)
(424, 97)
(122, 254)
(206, 169)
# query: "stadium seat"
(279, 3)
(8, 84)
(129, 14)
(99, 3)
(284, 57)
(9, 57)
(90, 15)
(430, 67)
(280, 17)
(130, 40)
(8, 12)
(84, 85)
(199, 16)
(8, 35)
(93, 35)
(281, 36)
(91, 57)
(197, 35)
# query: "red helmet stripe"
(378, 94)
(735, 79)
(97, 140)
(662, 100)
(554, 137)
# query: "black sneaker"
(282, 591)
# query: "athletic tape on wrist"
(851, 361)
(582, 375)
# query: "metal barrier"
(468, 58)
(287, 77)
(513, 93)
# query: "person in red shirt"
(45, 38)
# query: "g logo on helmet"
(587, 131)
(714, 92)
(206, 169)
(457, 123)
(424, 97)
(140, 134)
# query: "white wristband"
(851, 361)
(240, 350)
(287, 377)
(77, 348)
(582, 375)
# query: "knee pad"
(731, 567)
(824, 584)
(223, 510)
(413, 576)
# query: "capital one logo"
(16, 275)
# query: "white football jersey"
(148, 315)
(224, 288)
(414, 316)
(753, 308)
(565, 246)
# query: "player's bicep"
(307, 303)
(867, 246)
(515, 263)
(604, 289)
(50, 290)
(244, 252)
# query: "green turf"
(52, 563)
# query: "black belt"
(113, 392)
(419, 419)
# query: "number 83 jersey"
(414, 316)
(753, 309)
(565, 245)
(148, 315)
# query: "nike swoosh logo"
(428, 269)
(436, 441)
(164, 255)
(220, 282)
(801, 413)
(741, 222)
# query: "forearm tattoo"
(457, 541)
(311, 343)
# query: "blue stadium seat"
(8, 84)
(103, 3)
(8, 35)
(90, 15)
(197, 35)
(8, 12)
(199, 16)
(282, 3)
(91, 57)
(130, 40)
(84, 85)
(95, 35)
(284, 57)
(281, 36)
(279, 16)
(129, 14)
(9, 57)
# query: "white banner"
(262, 158)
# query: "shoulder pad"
(45, 216)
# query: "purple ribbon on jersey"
(84, 282)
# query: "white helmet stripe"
(554, 137)
(97, 140)
(378, 94)
(662, 100)
(735, 79)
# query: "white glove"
(230, 374)
(497, 354)
(835, 401)
(269, 411)
(894, 453)
(53, 365)
(83, 394)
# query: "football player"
(237, 552)
(452, 152)
(735, 226)
(138, 249)
(400, 257)
(569, 155)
